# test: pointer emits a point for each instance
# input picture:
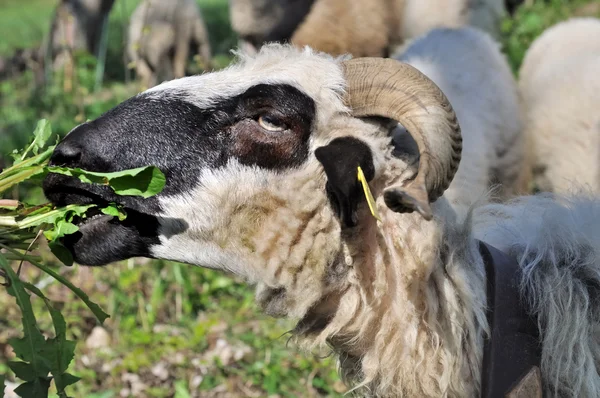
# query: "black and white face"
(261, 166)
(237, 148)
(266, 126)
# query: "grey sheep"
(467, 64)
(161, 34)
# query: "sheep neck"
(402, 302)
(404, 324)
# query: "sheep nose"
(67, 153)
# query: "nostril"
(66, 154)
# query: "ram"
(469, 68)
(559, 84)
(360, 28)
(261, 161)
(160, 36)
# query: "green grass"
(23, 23)
(174, 315)
(164, 313)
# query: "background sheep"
(559, 84)
(264, 186)
(365, 28)
(160, 36)
(77, 25)
(419, 16)
(21, 60)
(472, 72)
(332, 26)
(259, 21)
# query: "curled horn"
(395, 90)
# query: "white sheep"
(261, 163)
(361, 28)
(468, 66)
(559, 84)
(419, 16)
(160, 37)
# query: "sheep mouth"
(92, 218)
(102, 238)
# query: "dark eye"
(271, 123)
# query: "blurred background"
(175, 330)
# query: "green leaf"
(22, 370)
(34, 389)
(115, 211)
(38, 160)
(69, 379)
(2, 385)
(61, 228)
(58, 352)
(95, 308)
(146, 183)
(29, 346)
(142, 181)
(61, 253)
(181, 389)
(41, 134)
(52, 217)
(20, 175)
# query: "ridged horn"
(388, 88)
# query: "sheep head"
(261, 161)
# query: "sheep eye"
(271, 123)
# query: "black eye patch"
(289, 109)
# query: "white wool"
(316, 74)
(559, 85)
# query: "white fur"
(468, 66)
(560, 94)
(420, 16)
(316, 74)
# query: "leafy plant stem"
(98, 312)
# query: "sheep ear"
(340, 160)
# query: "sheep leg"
(182, 49)
(145, 73)
(201, 39)
(166, 68)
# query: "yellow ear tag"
(368, 194)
